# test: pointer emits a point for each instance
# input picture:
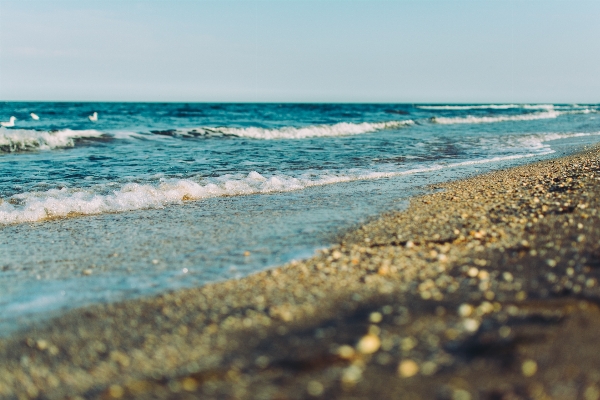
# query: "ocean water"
(154, 197)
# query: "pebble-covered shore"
(485, 289)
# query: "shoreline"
(487, 288)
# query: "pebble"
(368, 344)
(315, 388)
(529, 368)
(346, 351)
(408, 368)
(465, 310)
(375, 317)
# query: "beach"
(485, 288)
(299, 200)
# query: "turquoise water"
(162, 196)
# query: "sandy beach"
(485, 289)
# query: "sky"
(453, 51)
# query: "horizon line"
(303, 102)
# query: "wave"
(489, 107)
(55, 203)
(18, 140)
(470, 119)
(65, 202)
(288, 132)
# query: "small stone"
(246, 253)
(314, 388)
(116, 391)
(408, 368)
(345, 351)
(368, 344)
(336, 255)
(189, 384)
(471, 325)
(352, 374)
(87, 271)
(529, 368)
(387, 309)
(262, 361)
(375, 317)
(485, 308)
(408, 343)
(473, 272)
(461, 394)
(465, 310)
(590, 282)
(591, 393)
(383, 270)
(429, 368)
(120, 358)
(504, 331)
(374, 330)
(489, 295)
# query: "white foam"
(37, 206)
(470, 119)
(489, 107)
(12, 140)
(288, 132)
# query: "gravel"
(485, 289)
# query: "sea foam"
(15, 140)
(488, 107)
(289, 132)
(470, 119)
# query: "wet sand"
(485, 289)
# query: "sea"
(153, 197)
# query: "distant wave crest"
(488, 107)
(289, 132)
(470, 119)
(17, 140)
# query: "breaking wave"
(488, 107)
(65, 202)
(18, 140)
(470, 119)
(288, 132)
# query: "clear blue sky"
(323, 51)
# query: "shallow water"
(163, 196)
